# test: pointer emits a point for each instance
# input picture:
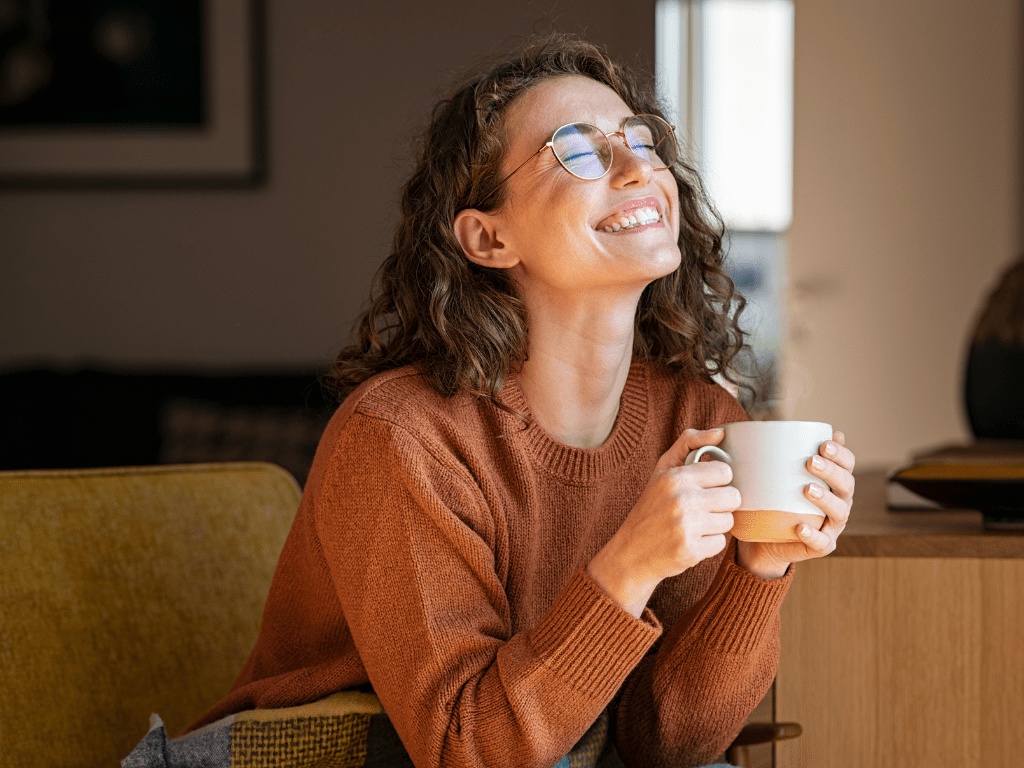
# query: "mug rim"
(776, 421)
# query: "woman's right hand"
(681, 518)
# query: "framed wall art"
(132, 93)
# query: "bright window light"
(726, 69)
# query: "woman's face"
(555, 223)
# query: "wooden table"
(905, 647)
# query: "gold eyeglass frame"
(671, 133)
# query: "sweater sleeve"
(685, 703)
(410, 549)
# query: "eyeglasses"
(585, 151)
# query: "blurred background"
(254, 255)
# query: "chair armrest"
(753, 734)
(765, 733)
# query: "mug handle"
(714, 450)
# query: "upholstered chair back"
(128, 591)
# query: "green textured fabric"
(128, 591)
(335, 737)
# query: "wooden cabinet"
(905, 647)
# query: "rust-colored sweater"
(439, 554)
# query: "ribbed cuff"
(590, 640)
(739, 607)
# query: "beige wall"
(907, 203)
(276, 275)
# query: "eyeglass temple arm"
(498, 185)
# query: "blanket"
(345, 730)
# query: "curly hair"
(464, 325)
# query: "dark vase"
(994, 378)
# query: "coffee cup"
(769, 469)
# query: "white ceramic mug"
(769, 469)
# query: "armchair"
(128, 591)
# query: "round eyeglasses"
(585, 151)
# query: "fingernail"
(817, 462)
(830, 449)
(814, 490)
(805, 530)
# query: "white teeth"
(638, 217)
(647, 215)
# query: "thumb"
(690, 440)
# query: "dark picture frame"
(226, 149)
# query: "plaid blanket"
(346, 730)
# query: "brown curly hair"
(464, 325)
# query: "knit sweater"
(439, 553)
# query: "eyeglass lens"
(586, 152)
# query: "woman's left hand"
(834, 465)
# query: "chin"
(665, 262)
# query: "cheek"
(555, 219)
(672, 195)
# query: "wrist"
(751, 557)
(615, 581)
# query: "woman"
(498, 535)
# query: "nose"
(628, 168)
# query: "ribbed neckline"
(585, 465)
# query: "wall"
(276, 275)
(907, 204)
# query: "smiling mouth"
(636, 217)
(631, 219)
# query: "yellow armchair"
(128, 591)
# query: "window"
(725, 73)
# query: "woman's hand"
(834, 465)
(680, 519)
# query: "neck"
(579, 357)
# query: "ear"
(478, 235)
